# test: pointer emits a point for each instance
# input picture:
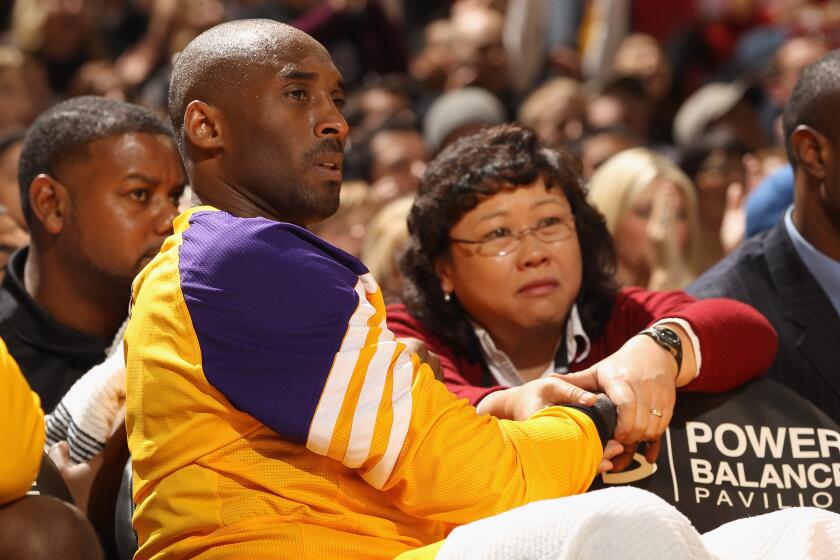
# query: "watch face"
(669, 336)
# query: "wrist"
(670, 342)
(657, 357)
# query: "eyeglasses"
(501, 241)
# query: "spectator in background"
(599, 145)
(434, 63)
(363, 35)
(769, 189)
(98, 77)
(383, 246)
(346, 228)
(398, 157)
(641, 57)
(479, 57)
(620, 101)
(60, 35)
(23, 88)
(719, 105)
(13, 232)
(174, 23)
(762, 164)
(556, 111)
(651, 211)
(791, 273)
(11, 141)
(767, 203)
(460, 113)
(715, 164)
(100, 181)
(378, 101)
(790, 59)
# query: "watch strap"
(667, 339)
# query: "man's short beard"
(82, 258)
(308, 208)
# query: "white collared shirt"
(506, 374)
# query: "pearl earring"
(447, 297)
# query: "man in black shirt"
(100, 182)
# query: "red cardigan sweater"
(736, 342)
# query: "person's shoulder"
(215, 235)
(260, 262)
(742, 271)
(218, 244)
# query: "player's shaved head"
(256, 108)
(221, 63)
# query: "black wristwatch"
(667, 339)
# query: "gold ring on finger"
(656, 412)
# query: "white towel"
(91, 410)
(801, 533)
(629, 523)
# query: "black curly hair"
(465, 173)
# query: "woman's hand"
(641, 380)
(520, 403)
(615, 457)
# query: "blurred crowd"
(695, 86)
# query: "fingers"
(636, 398)
(558, 391)
(622, 395)
(652, 451)
(612, 449)
(623, 459)
(663, 401)
(585, 379)
(644, 411)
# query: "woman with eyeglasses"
(510, 281)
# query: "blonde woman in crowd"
(651, 211)
(384, 241)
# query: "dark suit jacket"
(767, 273)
